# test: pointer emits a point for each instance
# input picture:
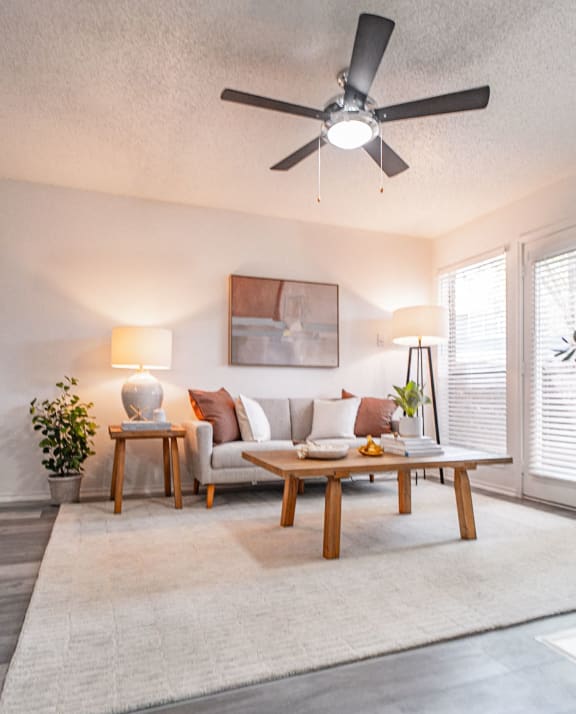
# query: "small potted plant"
(67, 431)
(410, 398)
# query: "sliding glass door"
(550, 369)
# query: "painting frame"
(279, 322)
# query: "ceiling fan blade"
(372, 37)
(254, 100)
(444, 104)
(299, 155)
(392, 164)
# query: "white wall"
(533, 218)
(74, 264)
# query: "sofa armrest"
(198, 449)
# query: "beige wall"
(536, 217)
(74, 264)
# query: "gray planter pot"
(65, 489)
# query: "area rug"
(158, 605)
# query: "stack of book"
(410, 445)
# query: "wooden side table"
(170, 447)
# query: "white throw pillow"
(334, 418)
(253, 423)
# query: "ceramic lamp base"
(141, 394)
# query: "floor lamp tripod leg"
(434, 409)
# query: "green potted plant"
(67, 431)
(410, 398)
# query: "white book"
(386, 439)
(417, 447)
(411, 452)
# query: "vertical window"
(472, 365)
(552, 367)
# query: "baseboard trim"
(94, 494)
(34, 499)
(489, 487)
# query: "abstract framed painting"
(283, 323)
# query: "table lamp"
(141, 348)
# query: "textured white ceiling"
(122, 96)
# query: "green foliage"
(409, 398)
(569, 351)
(67, 429)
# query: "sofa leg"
(301, 485)
(371, 478)
(196, 487)
(210, 495)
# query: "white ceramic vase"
(141, 394)
(410, 426)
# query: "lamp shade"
(141, 348)
(423, 324)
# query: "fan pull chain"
(381, 170)
(318, 199)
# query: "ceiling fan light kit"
(352, 120)
(351, 130)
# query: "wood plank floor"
(24, 534)
(503, 672)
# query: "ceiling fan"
(351, 120)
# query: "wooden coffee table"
(288, 466)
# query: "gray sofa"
(208, 464)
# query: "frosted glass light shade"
(424, 324)
(141, 348)
(351, 134)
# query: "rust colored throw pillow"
(373, 416)
(218, 409)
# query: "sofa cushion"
(229, 456)
(374, 415)
(218, 409)
(253, 422)
(301, 412)
(278, 413)
(334, 418)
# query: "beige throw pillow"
(334, 418)
(253, 422)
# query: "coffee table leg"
(464, 504)
(167, 473)
(120, 459)
(332, 518)
(404, 492)
(289, 501)
(176, 474)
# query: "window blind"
(472, 365)
(552, 389)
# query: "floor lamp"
(420, 328)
